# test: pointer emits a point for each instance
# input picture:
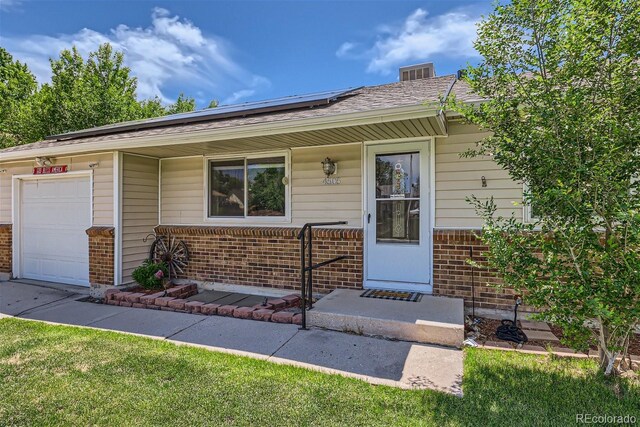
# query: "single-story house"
(237, 183)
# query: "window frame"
(246, 219)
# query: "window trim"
(248, 220)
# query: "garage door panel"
(58, 243)
(47, 189)
(30, 263)
(55, 214)
(61, 213)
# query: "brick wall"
(269, 256)
(101, 245)
(452, 274)
(5, 248)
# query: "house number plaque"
(331, 181)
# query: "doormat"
(393, 295)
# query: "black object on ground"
(509, 330)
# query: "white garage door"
(55, 213)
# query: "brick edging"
(262, 231)
(100, 231)
(175, 299)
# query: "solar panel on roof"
(248, 106)
(224, 111)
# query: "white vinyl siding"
(102, 183)
(458, 178)
(139, 210)
(182, 186)
(313, 201)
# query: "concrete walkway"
(377, 361)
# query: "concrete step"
(432, 320)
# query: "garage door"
(55, 214)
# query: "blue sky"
(237, 51)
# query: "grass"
(58, 375)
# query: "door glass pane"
(226, 191)
(398, 198)
(266, 189)
(398, 221)
(398, 176)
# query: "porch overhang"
(382, 124)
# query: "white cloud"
(418, 38)
(345, 49)
(172, 54)
(6, 5)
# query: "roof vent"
(418, 71)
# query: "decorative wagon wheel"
(174, 253)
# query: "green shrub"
(147, 274)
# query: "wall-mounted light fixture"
(484, 181)
(329, 167)
(43, 161)
(3, 171)
(94, 164)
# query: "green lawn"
(52, 375)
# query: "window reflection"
(398, 198)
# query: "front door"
(397, 220)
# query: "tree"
(562, 87)
(267, 192)
(17, 85)
(82, 94)
(182, 105)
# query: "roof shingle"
(368, 98)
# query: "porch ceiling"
(410, 128)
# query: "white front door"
(54, 216)
(398, 245)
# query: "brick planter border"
(176, 300)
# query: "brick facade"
(452, 274)
(269, 256)
(5, 248)
(101, 256)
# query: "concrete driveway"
(378, 361)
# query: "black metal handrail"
(307, 266)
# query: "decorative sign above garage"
(46, 170)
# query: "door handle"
(368, 218)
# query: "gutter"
(211, 135)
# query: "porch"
(422, 318)
(431, 319)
